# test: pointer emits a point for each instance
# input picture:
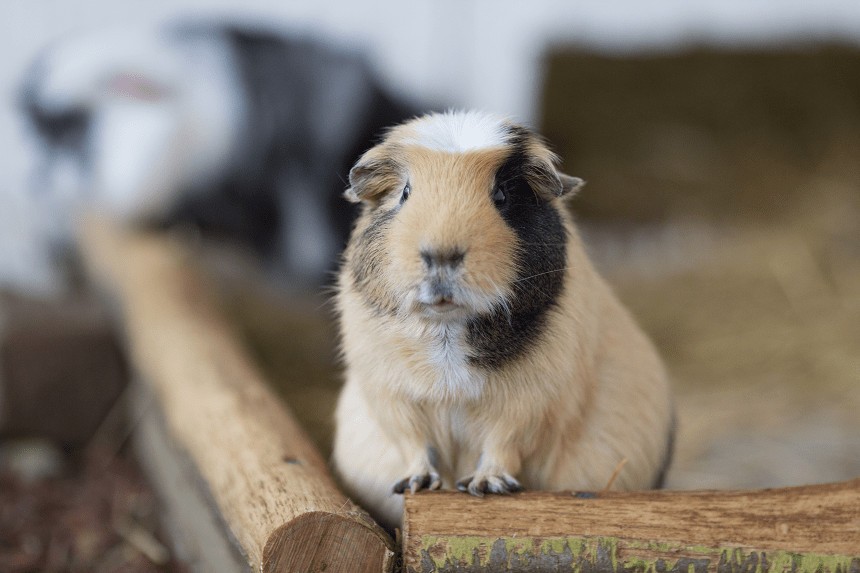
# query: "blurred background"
(720, 141)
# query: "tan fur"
(590, 393)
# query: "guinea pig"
(482, 349)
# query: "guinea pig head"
(455, 208)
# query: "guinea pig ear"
(375, 173)
(541, 169)
(570, 186)
(550, 182)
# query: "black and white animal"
(246, 134)
(483, 350)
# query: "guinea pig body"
(483, 351)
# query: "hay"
(761, 332)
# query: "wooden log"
(813, 529)
(263, 480)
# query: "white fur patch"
(446, 353)
(458, 131)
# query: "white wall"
(478, 53)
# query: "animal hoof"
(418, 482)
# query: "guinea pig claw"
(436, 481)
(418, 482)
(400, 486)
(472, 486)
(503, 485)
(512, 484)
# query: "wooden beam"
(814, 529)
(263, 479)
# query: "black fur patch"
(281, 79)
(501, 337)
(67, 129)
(369, 256)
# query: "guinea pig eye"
(407, 190)
(499, 196)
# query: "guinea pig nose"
(450, 258)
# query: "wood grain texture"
(268, 484)
(813, 528)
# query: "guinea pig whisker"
(561, 270)
(531, 290)
(505, 307)
(509, 179)
(328, 300)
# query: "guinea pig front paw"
(479, 484)
(417, 482)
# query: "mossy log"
(250, 485)
(810, 529)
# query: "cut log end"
(335, 539)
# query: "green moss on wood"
(476, 554)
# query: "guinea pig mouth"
(443, 306)
(437, 297)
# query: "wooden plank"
(814, 529)
(267, 483)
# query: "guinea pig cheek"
(490, 267)
(405, 269)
